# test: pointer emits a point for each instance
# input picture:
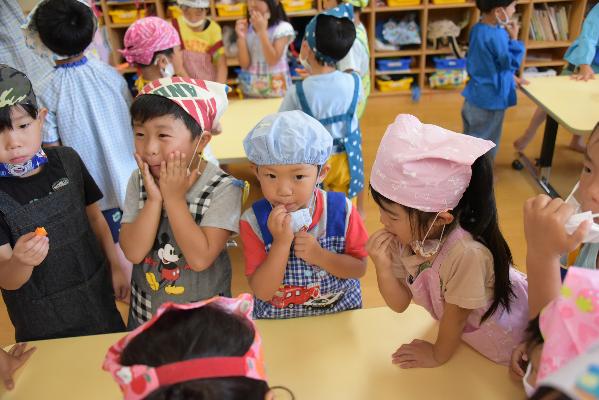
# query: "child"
(202, 41)
(331, 96)
(11, 361)
(153, 46)
(493, 58)
(55, 281)
(87, 102)
(222, 360)
(583, 55)
(303, 247)
(180, 210)
(441, 246)
(263, 49)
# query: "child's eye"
(586, 170)
(300, 177)
(139, 134)
(23, 126)
(163, 135)
(271, 176)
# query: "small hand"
(379, 247)
(521, 81)
(258, 21)
(544, 227)
(513, 29)
(418, 354)
(585, 73)
(31, 249)
(174, 181)
(149, 182)
(519, 357)
(11, 361)
(307, 248)
(302, 72)
(279, 225)
(120, 284)
(241, 28)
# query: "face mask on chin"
(579, 217)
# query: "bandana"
(138, 381)
(341, 11)
(33, 40)
(194, 3)
(204, 101)
(146, 37)
(357, 3)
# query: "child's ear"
(323, 173)
(254, 169)
(444, 218)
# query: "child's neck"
(489, 19)
(320, 69)
(151, 73)
(70, 59)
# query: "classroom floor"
(512, 187)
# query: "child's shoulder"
(215, 180)
(282, 29)
(466, 247)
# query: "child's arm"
(422, 354)
(343, 266)
(582, 52)
(11, 361)
(241, 29)
(137, 237)
(100, 227)
(16, 265)
(221, 69)
(273, 51)
(396, 294)
(547, 240)
(200, 245)
(270, 274)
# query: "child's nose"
(12, 141)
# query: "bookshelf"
(538, 53)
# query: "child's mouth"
(18, 160)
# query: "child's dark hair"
(532, 335)
(5, 119)
(486, 6)
(276, 10)
(149, 106)
(168, 53)
(476, 213)
(208, 331)
(66, 27)
(334, 36)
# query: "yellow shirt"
(202, 42)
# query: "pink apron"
(198, 65)
(497, 336)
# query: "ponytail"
(477, 214)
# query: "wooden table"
(237, 121)
(571, 104)
(343, 356)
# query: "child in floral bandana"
(56, 281)
(180, 210)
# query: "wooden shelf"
(467, 4)
(398, 8)
(549, 63)
(398, 53)
(232, 62)
(547, 44)
(411, 71)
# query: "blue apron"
(351, 143)
(306, 289)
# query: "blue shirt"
(584, 48)
(88, 110)
(327, 95)
(493, 59)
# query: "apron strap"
(301, 95)
(71, 164)
(354, 102)
(262, 210)
(176, 26)
(216, 47)
(336, 214)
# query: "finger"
(409, 365)
(163, 172)
(25, 356)
(541, 201)
(579, 234)
(287, 221)
(170, 164)
(34, 245)
(146, 173)
(178, 162)
(9, 383)
(139, 161)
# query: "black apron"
(70, 292)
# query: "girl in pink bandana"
(441, 246)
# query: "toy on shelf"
(446, 33)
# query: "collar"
(73, 64)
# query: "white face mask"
(505, 20)
(167, 71)
(305, 64)
(428, 248)
(197, 24)
(575, 220)
(528, 388)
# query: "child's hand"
(379, 247)
(258, 21)
(307, 248)
(418, 354)
(30, 249)
(279, 224)
(544, 227)
(120, 284)
(585, 73)
(12, 361)
(174, 181)
(241, 28)
(520, 81)
(302, 72)
(513, 29)
(519, 357)
(149, 183)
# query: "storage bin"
(400, 3)
(393, 64)
(126, 15)
(450, 63)
(232, 10)
(401, 85)
(291, 6)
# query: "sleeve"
(5, 236)
(290, 101)
(50, 128)
(582, 51)
(465, 274)
(284, 29)
(508, 54)
(254, 252)
(92, 191)
(131, 206)
(356, 236)
(125, 91)
(225, 208)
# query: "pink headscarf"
(146, 37)
(423, 166)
